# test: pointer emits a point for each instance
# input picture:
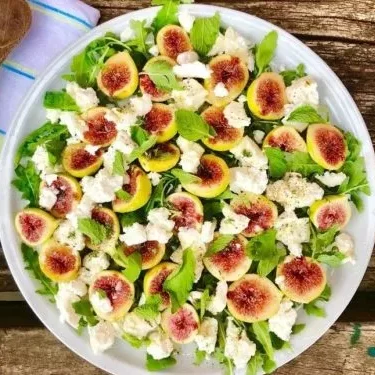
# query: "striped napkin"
(55, 25)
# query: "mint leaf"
(135, 154)
(297, 328)
(118, 164)
(326, 294)
(132, 340)
(269, 365)
(254, 365)
(139, 135)
(200, 356)
(333, 259)
(180, 283)
(314, 310)
(266, 266)
(59, 100)
(83, 307)
(167, 15)
(191, 126)
(130, 218)
(203, 302)
(227, 194)
(277, 163)
(262, 334)
(265, 51)
(290, 75)
(218, 244)
(140, 36)
(133, 267)
(150, 310)
(159, 364)
(161, 74)
(28, 182)
(204, 33)
(123, 195)
(94, 230)
(306, 114)
(185, 177)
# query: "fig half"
(266, 96)
(253, 298)
(173, 40)
(302, 279)
(226, 136)
(35, 226)
(161, 122)
(286, 139)
(160, 158)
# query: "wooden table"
(342, 32)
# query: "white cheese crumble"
(76, 126)
(238, 346)
(220, 90)
(64, 300)
(188, 237)
(141, 104)
(236, 115)
(53, 115)
(127, 34)
(67, 234)
(331, 179)
(134, 234)
(123, 118)
(258, 136)
(82, 210)
(207, 335)
(48, 197)
(101, 304)
(282, 323)
(154, 178)
(138, 327)
(345, 244)
(96, 261)
(77, 287)
(102, 336)
(191, 97)
(42, 163)
(124, 143)
(219, 300)
(232, 223)
(248, 179)
(292, 231)
(160, 345)
(303, 91)
(85, 98)
(195, 69)
(91, 149)
(159, 227)
(294, 191)
(187, 57)
(154, 50)
(191, 154)
(248, 153)
(207, 231)
(186, 20)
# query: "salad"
(185, 189)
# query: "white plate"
(122, 358)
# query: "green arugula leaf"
(314, 310)
(139, 43)
(185, 177)
(333, 259)
(135, 154)
(122, 194)
(139, 135)
(150, 310)
(191, 126)
(31, 258)
(290, 75)
(83, 307)
(161, 74)
(306, 114)
(262, 334)
(167, 15)
(254, 365)
(133, 341)
(356, 335)
(297, 328)
(320, 241)
(133, 267)
(94, 230)
(227, 194)
(59, 100)
(212, 209)
(118, 164)
(28, 182)
(354, 146)
(204, 33)
(269, 365)
(179, 284)
(218, 244)
(54, 149)
(326, 294)
(200, 356)
(203, 302)
(159, 364)
(265, 51)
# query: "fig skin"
(139, 188)
(304, 279)
(101, 132)
(108, 218)
(337, 210)
(231, 71)
(120, 72)
(226, 136)
(188, 210)
(286, 139)
(259, 209)
(214, 174)
(186, 319)
(148, 87)
(70, 193)
(326, 145)
(34, 218)
(173, 40)
(166, 156)
(152, 252)
(266, 96)
(154, 280)
(80, 163)
(161, 122)
(230, 263)
(112, 283)
(253, 298)
(59, 262)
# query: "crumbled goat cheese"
(187, 57)
(331, 179)
(96, 261)
(303, 91)
(232, 223)
(236, 115)
(280, 281)
(64, 300)
(159, 227)
(292, 231)
(191, 97)
(141, 104)
(154, 178)
(53, 115)
(219, 46)
(195, 296)
(345, 244)
(134, 234)
(102, 187)
(207, 231)
(195, 69)
(282, 323)
(186, 20)
(124, 143)
(248, 153)
(83, 209)
(248, 179)
(102, 336)
(251, 62)
(160, 345)
(77, 287)
(221, 91)
(101, 304)
(48, 197)
(242, 99)
(191, 154)
(294, 191)
(127, 34)
(238, 346)
(154, 50)
(219, 300)
(84, 98)
(76, 126)
(138, 327)
(258, 136)
(92, 149)
(67, 234)
(123, 118)
(42, 162)
(188, 237)
(207, 335)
